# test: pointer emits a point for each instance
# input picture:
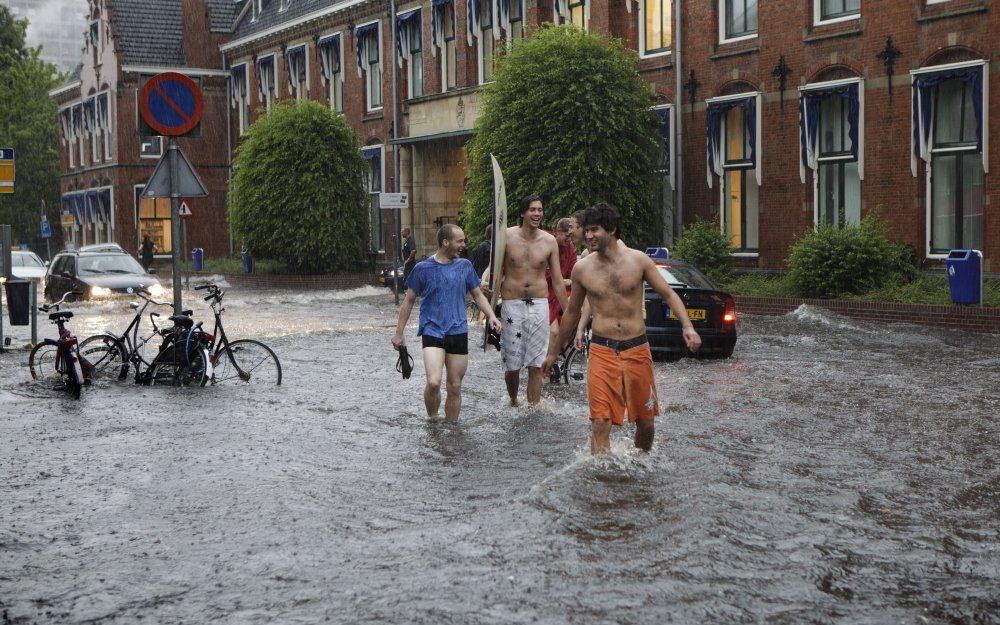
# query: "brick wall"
(969, 318)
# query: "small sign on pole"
(6, 170)
(46, 229)
(393, 200)
(184, 210)
(66, 219)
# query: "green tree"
(29, 124)
(568, 117)
(298, 195)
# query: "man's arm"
(656, 281)
(404, 316)
(560, 290)
(484, 284)
(484, 305)
(571, 316)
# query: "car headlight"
(100, 291)
(156, 289)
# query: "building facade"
(779, 115)
(105, 161)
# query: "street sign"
(184, 210)
(6, 170)
(188, 182)
(393, 200)
(66, 219)
(46, 229)
(171, 103)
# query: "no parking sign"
(171, 104)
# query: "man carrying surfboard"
(524, 314)
(620, 368)
(441, 282)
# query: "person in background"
(146, 251)
(409, 252)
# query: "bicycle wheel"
(171, 368)
(105, 356)
(575, 369)
(42, 362)
(258, 363)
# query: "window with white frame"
(266, 80)
(297, 70)
(283, 6)
(956, 172)
(836, 10)
(734, 156)
(410, 49)
(104, 121)
(240, 95)
(331, 69)
(656, 33)
(369, 62)
(152, 216)
(96, 141)
(831, 136)
(738, 19)
(256, 7)
(449, 76)
(487, 44)
(66, 129)
(93, 40)
(579, 13)
(663, 201)
(373, 182)
(515, 19)
(80, 133)
(150, 147)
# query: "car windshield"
(26, 260)
(677, 275)
(109, 263)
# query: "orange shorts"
(619, 380)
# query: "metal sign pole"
(34, 313)
(175, 221)
(184, 248)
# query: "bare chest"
(613, 285)
(526, 256)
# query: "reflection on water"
(833, 471)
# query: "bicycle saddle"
(60, 315)
(182, 321)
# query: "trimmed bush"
(568, 117)
(704, 246)
(298, 196)
(831, 262)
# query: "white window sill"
(837, 20)
(655, 55)
(745, 254)
(723, 42)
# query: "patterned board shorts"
(524, 339)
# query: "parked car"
(26, 265)
(387, 275)
(97, 275)
(103, 247)
(712, 312)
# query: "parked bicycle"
(571, 364)
(60, 358)
(182, 359)
(243, 360)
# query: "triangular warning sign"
(184, 210)
(188, 183)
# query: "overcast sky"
(56, 24)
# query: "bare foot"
(514, 403)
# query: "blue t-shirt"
(441, 288)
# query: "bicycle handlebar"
(55, 306)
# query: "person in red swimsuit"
(567, 259)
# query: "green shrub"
(832, 262)
(568, 117)
(704, 246)
(298, 196)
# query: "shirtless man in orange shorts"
(620, 373)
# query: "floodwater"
(833, 471)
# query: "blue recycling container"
(658, 253)
(965, 276)
(198, 257)
(247, 261)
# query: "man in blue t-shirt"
(441, 283)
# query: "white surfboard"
(499, 243)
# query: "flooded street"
(833, 471)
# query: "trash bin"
(198, 256)
(247, 260)
(19, 302)
(965, 276)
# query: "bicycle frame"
(222, 341)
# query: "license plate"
(694, 314)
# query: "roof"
(270, 16)
(149, 32)
(224, 13)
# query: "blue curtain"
(104, 197)
(329, 52)
(403, 21)
(809, 117)
(365, 36)
(93, 209)
(714, 117)
(295, 60)
(923, 107)
(472, 18)
(664, 116)
(437, 23)
(264, 64)
(238, 80)
(79, 210)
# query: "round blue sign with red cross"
(171, 104)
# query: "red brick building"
(792, 113)
(105, 163)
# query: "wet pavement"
(832, 472)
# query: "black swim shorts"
(451, 344)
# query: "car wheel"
(667, 356)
